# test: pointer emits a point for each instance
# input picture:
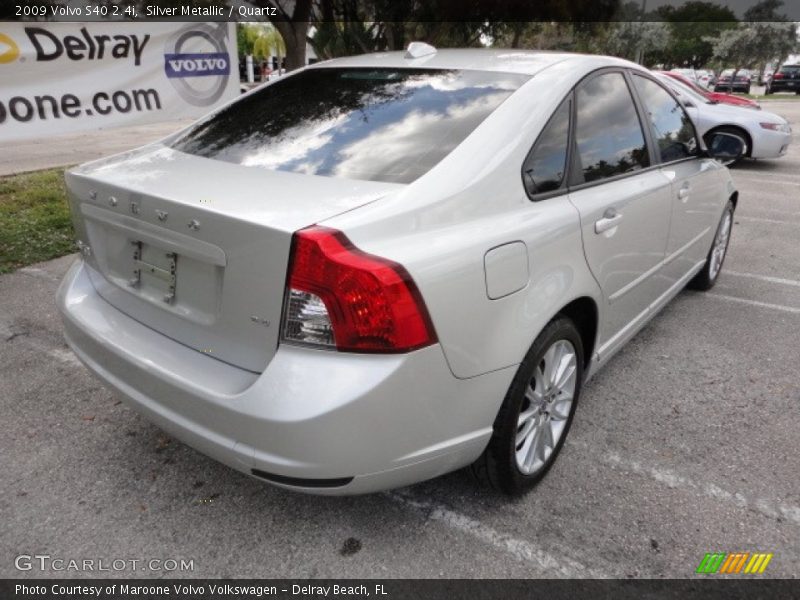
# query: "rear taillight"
(778, 76)
(339, 296)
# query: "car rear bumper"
(785, 86)
(315, 421)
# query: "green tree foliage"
(637, 40)
(691, 26)
(766, 36)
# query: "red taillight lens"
(372, 304)
(778, 76)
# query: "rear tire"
(537, 412)
(708, 275)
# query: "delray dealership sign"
(70, 77)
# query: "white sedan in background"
(765, 134)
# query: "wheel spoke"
(526, 424)
(551, 359)
(534, 395)
(529, 448)
(539, 444)
(565, 371)
(547, 434)
(560, 408)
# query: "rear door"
(624, 204)
(693, 180)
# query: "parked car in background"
(785, 79)
(766, 134)
(703, 78)
(726, 81)
(382, 268)
(713, 96)
(689, 74)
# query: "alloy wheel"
(720, 244)
(546, 407)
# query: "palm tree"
(268, 43)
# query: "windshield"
(381, 124)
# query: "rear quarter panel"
(441, 226)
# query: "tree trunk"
(294, 36)
(517, 34)
(293, 28)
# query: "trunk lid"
(197, 248)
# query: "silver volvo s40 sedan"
(380, 269)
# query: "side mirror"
(688, 104)
(726, 147)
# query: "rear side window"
(546, 165)
(672, 128)
(375, 124)
(608, 133)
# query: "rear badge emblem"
(162, 215)
(112, 201)
(134, 207)
(194, 224)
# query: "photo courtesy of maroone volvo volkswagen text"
(379, 269)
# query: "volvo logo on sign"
(197, 63)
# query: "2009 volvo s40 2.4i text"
(383, 268)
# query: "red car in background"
(713, 96)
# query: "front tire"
(537, 412)
(707, 277)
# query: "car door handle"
(683, 193)
(611, 219)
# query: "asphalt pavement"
(686, 443)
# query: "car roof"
(479, 59)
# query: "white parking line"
(521, 550)
(769, 181)
(762, 220)
(780, 307)
(766, 278)
(746, 172)
(769, 508)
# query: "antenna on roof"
(419, 49)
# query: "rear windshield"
(790, 69)
(375, 124)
